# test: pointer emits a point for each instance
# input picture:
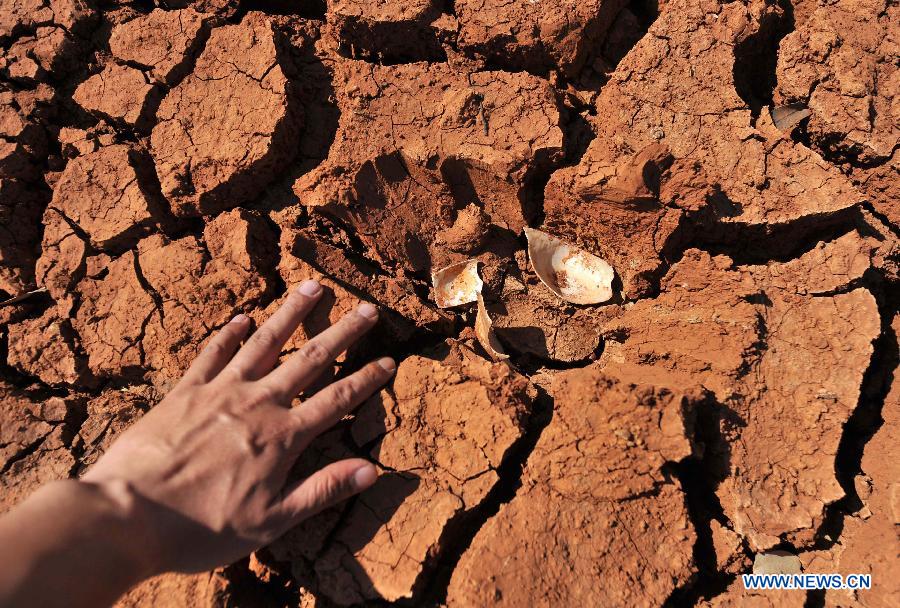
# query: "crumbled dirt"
(635, 214)
(167, 165)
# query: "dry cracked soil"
(165, 165)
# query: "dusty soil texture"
(166, 165)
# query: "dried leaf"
(456, 284)
(568, 271)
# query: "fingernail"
(387, 364)
(367, 310)
(364, 477)
(309, 288)
(240, 319)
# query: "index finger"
(261, 351)
(310, 361)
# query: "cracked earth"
(166, 166)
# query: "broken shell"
(484, 331)
(571, 273)
(789, 116)
(456, 284)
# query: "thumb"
(326, 487)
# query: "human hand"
(205, 471)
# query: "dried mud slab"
(115, 308)
(351, 280)
(730, 556)
(35, 442)
(204, 590)
(63, 259)
(395, 196)
(103, 195)
(227, 129)
(42, 37)
(678, 87)
(842, 62)
(108, 415)
(20, 211)
(735, 596)
(784, 347)
(486, 134)
(593, 486)
(637, 214)
(200, 286)
(47, 348)
(869, 542)
(120, 94)
(535, 36)
(149, 311)
(20, 16)
(24, 143)
(440, 433)
(162, 42)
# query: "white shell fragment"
(456, 284)
(571, 273)
(23, 296)
(484, 331)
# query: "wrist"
(127, 518)
(107, 517)
(75, 535)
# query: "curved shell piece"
(456, 284)
(568, 271)
(787, 117)
(484, 331)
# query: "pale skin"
(202, 479)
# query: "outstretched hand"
(202, 479)
(215, 454)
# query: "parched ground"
(164, 167)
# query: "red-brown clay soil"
(164, 166)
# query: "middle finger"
(315, 356)
(259, 354)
